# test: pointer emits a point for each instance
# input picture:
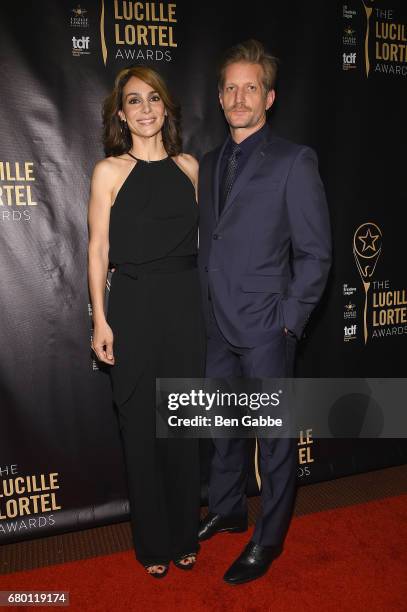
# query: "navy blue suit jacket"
(266, 258)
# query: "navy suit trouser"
(277, 456)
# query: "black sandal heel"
(158, 574)
(189, 566)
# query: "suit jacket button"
(206, 268)
(215, 236)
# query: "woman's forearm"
(98, 262)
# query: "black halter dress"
(155, 315)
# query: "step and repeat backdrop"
(341, 90)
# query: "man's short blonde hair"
(253, 52)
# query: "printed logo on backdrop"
(305, 453)
(78, 17)
(349, 311)
(137, 31)
(349, 60)
(17, 197)
(27, 502)
(367, 246)
(80, 41)
(347, 290)
(349, 37)
(349, 332)
(377, 32)
(385, 40)
(384, 308)
(80, 45)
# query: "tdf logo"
(80, 44)
(349, 58)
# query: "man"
(265, 253)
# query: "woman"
(143, 219)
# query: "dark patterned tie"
(229, 176)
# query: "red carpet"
(347, 560)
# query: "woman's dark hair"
(116, 134)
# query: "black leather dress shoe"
(215, 523)
(254, 562)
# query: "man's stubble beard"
(240, 124)
(251, 121)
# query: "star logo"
(366, 253)
(369, 241)
(78, 11)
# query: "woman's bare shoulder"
(108, 169)
(108, 165)
(189, 165)
(187, 160)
